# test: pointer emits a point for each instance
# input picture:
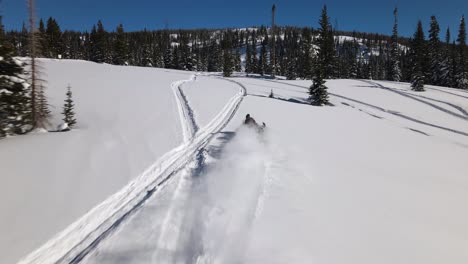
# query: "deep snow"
(370, 180)
(379, 177)
(127, 119)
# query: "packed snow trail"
(187, 117)
(80, 238)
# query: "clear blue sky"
(359, 15)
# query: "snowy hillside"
(379, 177)
(127, 119)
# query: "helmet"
(247, 116)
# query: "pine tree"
(326, 43)
(15, 107)
(168, 58)
(445, 73)
(254, 63)
(435, 52)
(248, 58)
(227, 62)
(120, 47)
(54, 38)
(291, 68)
(44, 42)
(68, 109)
(237, 61)
(418, 50)
(395, 71)
(42, 105)
(318, 91)
(462, 69)
(262, 62)
(99, 44)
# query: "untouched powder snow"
(378, 178)
(127, 119)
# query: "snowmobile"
(251, 123)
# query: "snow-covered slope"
(127, 119)
(380, 177)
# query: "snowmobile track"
(82, 237)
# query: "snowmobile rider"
(249, 121)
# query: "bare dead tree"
(40, 111)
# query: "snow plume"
(226, 195)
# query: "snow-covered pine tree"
(15, 103)
(435, 52)
(418, 51)
(395, 71)
(68, 109)
(462, 69)
(318, 94)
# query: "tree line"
(300, 52)
(356, 55)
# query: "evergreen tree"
(42, 105)
(54, 39)
(418, 52)
(68, 109)
(326, 43)
(99, 43)
(15, 109)
(318, 91)
(254, 63)
(168, 58)
(395, 71)
(445, 73)
(248, 58)
(462, 69)
(121, 47)
(262, 62)
(215, 57)
(435, 53)
(176, 59)
(237, 61)
(43, 40)
(228, 62)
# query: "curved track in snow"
(81, 237)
